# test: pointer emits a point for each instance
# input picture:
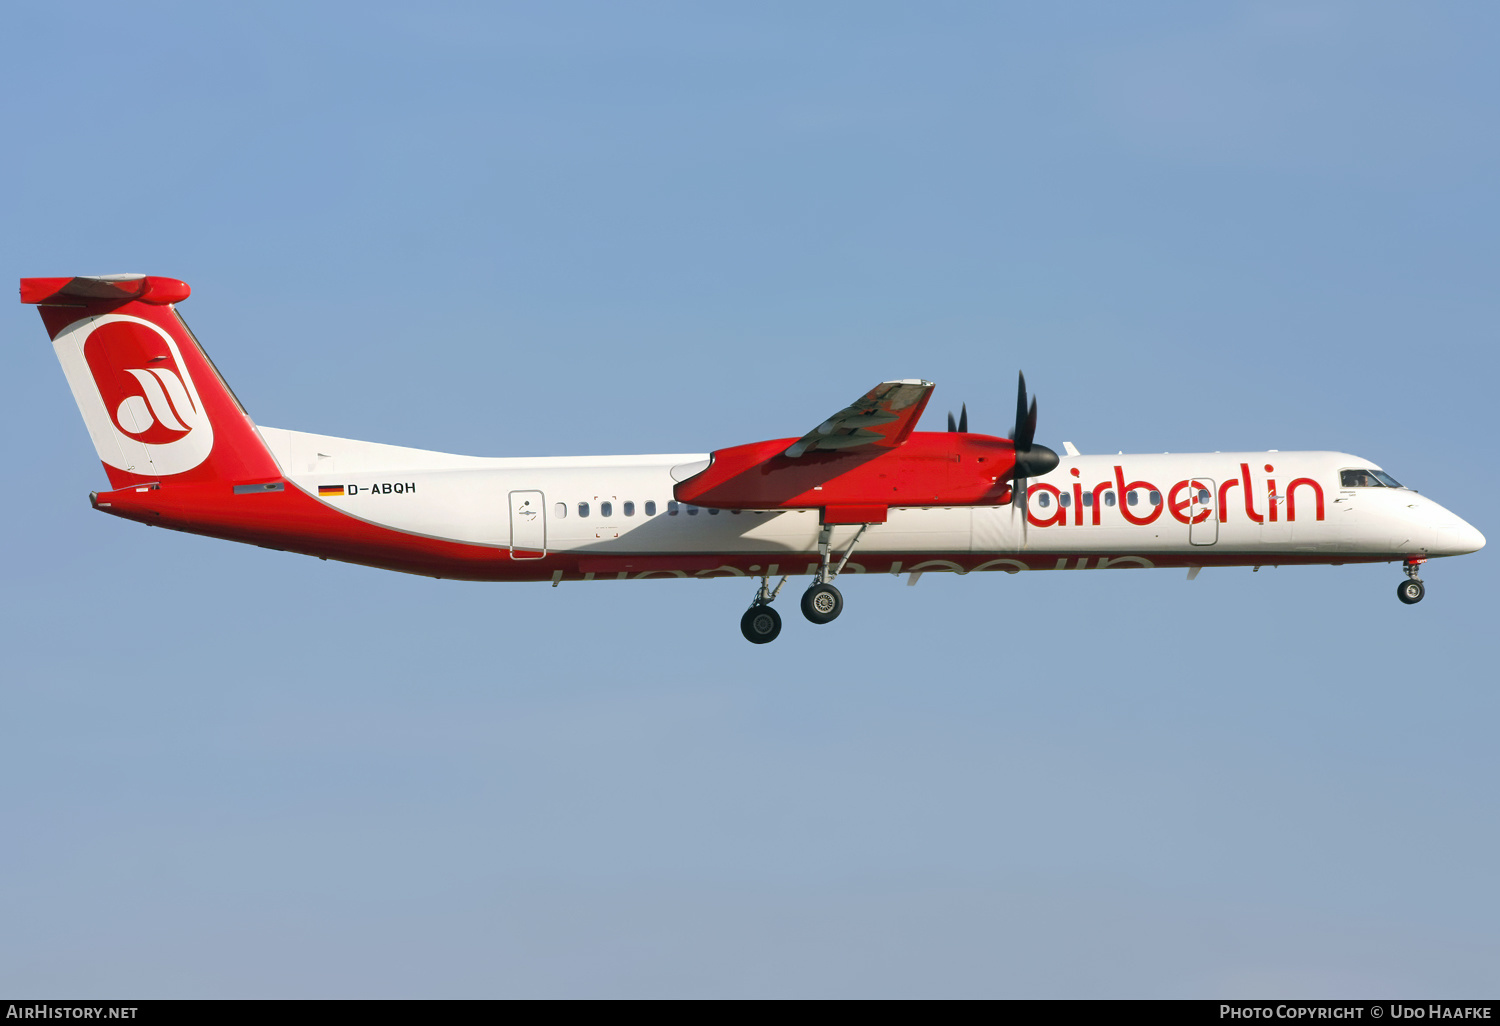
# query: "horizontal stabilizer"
(83, 290)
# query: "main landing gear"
(761, 624)
(1412, 589)
(821, 603)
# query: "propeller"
(1032, 460)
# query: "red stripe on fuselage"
(292, 520)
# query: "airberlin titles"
(1187, 500)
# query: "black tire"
(822, 603)
(1410, 592)
(760, 625)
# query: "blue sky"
(508, 229)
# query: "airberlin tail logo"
(139, 401)
(164, 401)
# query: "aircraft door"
(1345, 518)
(528, 525)
(1202, 512)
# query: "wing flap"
(882, 418)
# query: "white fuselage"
(1122, 510)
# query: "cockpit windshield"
(1368, 478)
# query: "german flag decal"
(324, 490)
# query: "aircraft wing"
(882, 418)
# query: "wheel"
(760, 624)
(822, 603)
(1410, 592)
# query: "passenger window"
(1132, 497)
(1109, 498)
(1044, 500)
(560, 511)
(630, 509)
(1088, 498)
(606, 509)
(713, 512)
(650, 507)
(692, 511)
(1065, 500)
(583, 509)
(1155, 498)
(672, 507)
(1203, 496)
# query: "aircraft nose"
(1455, 538)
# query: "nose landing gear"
(1411, 590)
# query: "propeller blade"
(1020, 414)
(952, 426)
(1018, 500)
(1031, 460)
(963, 419)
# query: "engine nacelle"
(931, 469)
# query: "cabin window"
(606, 509)
(630, 509)
(692, 511)
(1132, 497)
(672, 507)
(1088, 498)
(713, 512)
(1109, 498)
(1044, 500)
(650, 507)
(560, 511)
(1203, 496)
(583, 509)
(1065, 500)
(1155, 497)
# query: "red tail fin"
(153, 402)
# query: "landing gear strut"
(761, 624)
(1412, 589)
(822, 602)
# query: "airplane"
(181, 452)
